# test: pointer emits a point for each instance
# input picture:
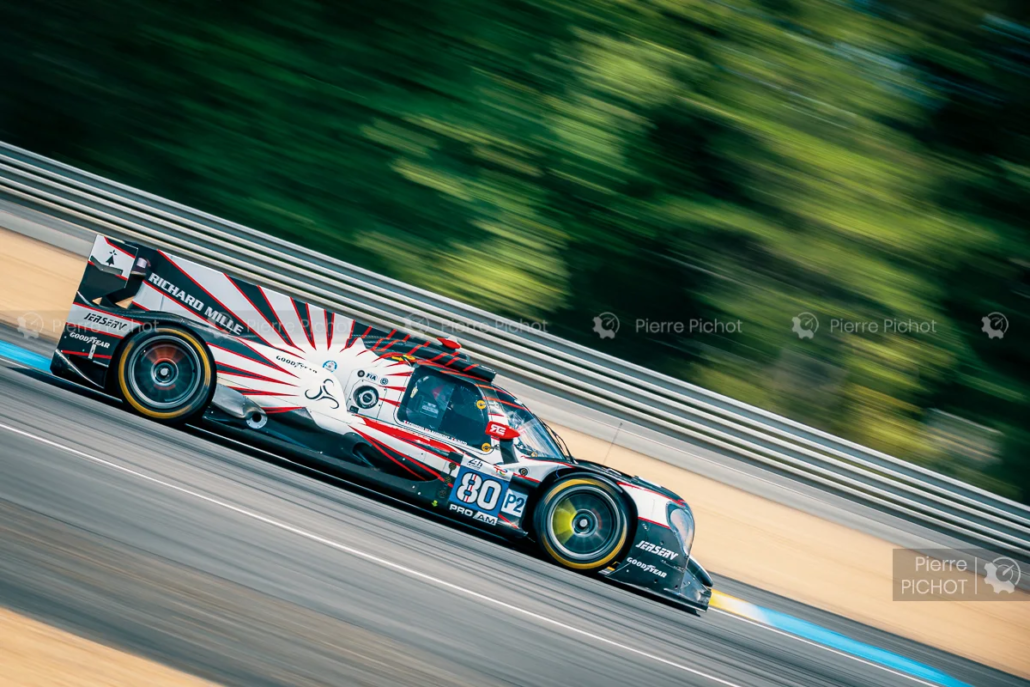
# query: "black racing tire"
(165, 374)
(581, 522)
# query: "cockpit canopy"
(457, 407)
(446, 404)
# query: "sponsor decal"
(220, 318)
(296, 364)
(646, 567)
(223, 320)
(89, 339)
(657, 550)
(501, 432)
(329, 366)
(481, 404)
(480, 465)
(175, 292)
(105, 321)
(322, 394)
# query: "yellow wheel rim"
(561, 523)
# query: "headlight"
(682, 522)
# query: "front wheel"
(165, 374)
(581, 522)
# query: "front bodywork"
(401, 411)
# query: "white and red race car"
(180, 342)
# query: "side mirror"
(501, 432)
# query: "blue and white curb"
(832, 640)
(28, 358)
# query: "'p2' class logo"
(514, 503)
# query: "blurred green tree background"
(663, 160)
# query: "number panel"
(483, 488)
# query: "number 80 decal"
(476, 490)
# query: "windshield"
(536, 439)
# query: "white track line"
(375, 559)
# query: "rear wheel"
(581, 522)
(165, 374)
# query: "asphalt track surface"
(247, 570)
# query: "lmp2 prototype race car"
(180, 342)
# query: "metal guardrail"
(541, 359)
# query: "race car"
(180, 342)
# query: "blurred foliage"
(660, 159)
